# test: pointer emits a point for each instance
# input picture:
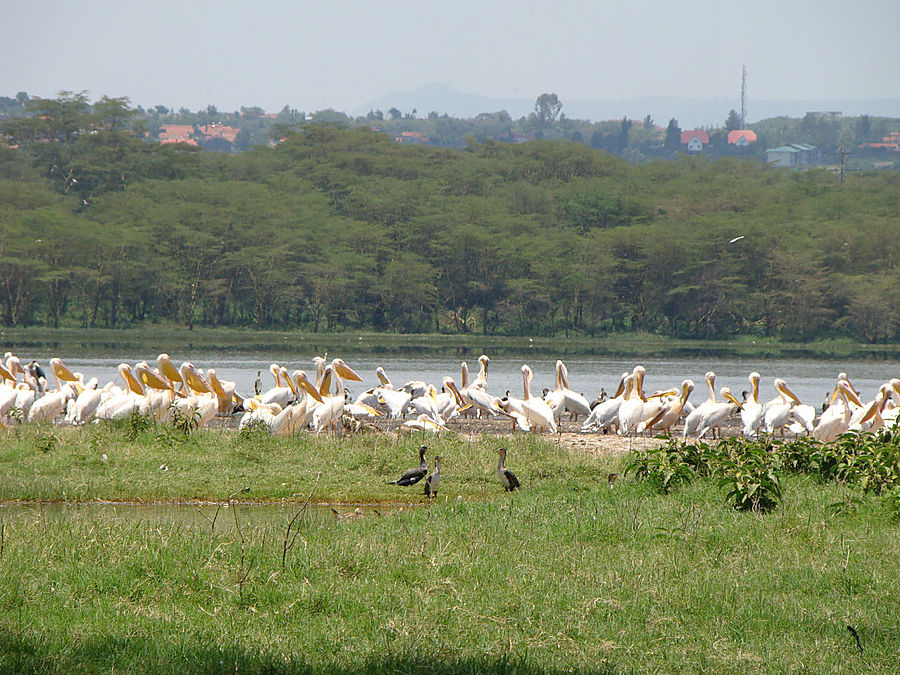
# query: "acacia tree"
(546, 108)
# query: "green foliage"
(664, 468)
(343, 229)
(752, 481)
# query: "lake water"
(811, 380)
(199, 516)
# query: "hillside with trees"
(339, 227)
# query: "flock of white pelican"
(298, 402)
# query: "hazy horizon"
(343, 55)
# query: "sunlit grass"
(566, 574)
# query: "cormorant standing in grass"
(413, 476)
(507, 477)
(432, 482)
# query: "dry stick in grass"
(288, 542)
(2, 536)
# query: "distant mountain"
(690, 112)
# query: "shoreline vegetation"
(574, 572)
(87, 341)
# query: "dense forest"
(341, 228)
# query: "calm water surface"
(809, 379)
(200, 516)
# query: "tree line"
(340, 228)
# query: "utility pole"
(743, 96)
(843, 156)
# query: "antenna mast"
(743, 96)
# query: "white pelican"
(424, 423)
(692, 422)
(397, 402)
(536, 409)
(61, 373)
(328, 413)
(563, 398)
(201, 403)
(427, 404)
(713, 416)
(450, 402)
(891, 415)
(474, 395)
(868, 417)
(481, 379)
(50, 406)
(84, 407)
(606, 413)
(670, 412)
(836, 418)
(168, 371)
(751, 409)
(512, 408)
(632, 408)
(778, 411)
(284, 392)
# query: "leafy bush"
(664, 467)
(753, 482)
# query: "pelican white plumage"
(511, 407)
(695, 417)
(777, 412)
(50, 406)
(328, 413)
(713, 416)
(427, 404)
(536, 409)
(563, 398)
(751, 409)
(450, 401)
(284, 392)
(836, 418)
(606, 413)
(632, 408)
(868, 417)
(670, 412)
(397, 402)
(481, 379)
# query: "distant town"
(819, 138)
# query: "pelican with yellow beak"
(778, 411)
(328, 413)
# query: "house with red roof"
(694, 140)
(177, 133)
(741, 138)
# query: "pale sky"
(342, 54)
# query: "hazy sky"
(341, 54)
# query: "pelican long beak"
(151, 379)
(307, 386)
(371, 410)
(131, 383)
(345, 371)
(5, 374)
(731, 398)
(665, 392)
(168, 369)
(194, 380)
(217, 388)
(290, 382)
(61, 370)
(791, 394)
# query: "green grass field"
(566, 574)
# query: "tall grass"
(567, 574)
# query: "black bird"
(507, 477)
(413, 476)
(432, 482)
